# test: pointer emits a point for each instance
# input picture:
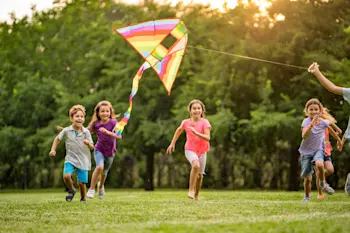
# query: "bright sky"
(22, 7)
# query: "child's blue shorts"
(82, 175)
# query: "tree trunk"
(293, 169)
(149, 171)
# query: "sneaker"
(90, 194)
(328, 189)
(83, 201)
(101, 192)
(347, 185)
(306, 199)
(320, 196)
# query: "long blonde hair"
(196, 102)
(327, 116)
(96, 117)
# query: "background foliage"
(69, 54)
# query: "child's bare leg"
(324, 186)
(95, 176)
(198, 185)
(319, 190)
(82, 189)
(320, 171)
(329, 169)
(67, 178)
(102, 180)
(307, 185)
(193, 178)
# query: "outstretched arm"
(314, 69)
(336, 128)
(177, 134)
(333, 133)
(340, 144)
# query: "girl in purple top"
(312, 146)
(102, 123)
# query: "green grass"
(171, 211)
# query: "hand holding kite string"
(146, 38)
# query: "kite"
(148, 39)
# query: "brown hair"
(73, 110)
(196, 102)
(313, 101)
(96, 117)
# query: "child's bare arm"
(205, 135)
(333, 133)
(341, 143)
(314, 69)
(336, 128)
(177, 134)
(54, 146)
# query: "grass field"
(171, 211)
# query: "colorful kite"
(148, 40)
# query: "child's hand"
(86, 142)
(59, 128)
(313, 68)
(170, 149)
(192, 129)
(104, 131)
(52, 153)
(315, 120)
(340, 145)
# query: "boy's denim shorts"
(105, 161)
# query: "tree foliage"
(69, 54)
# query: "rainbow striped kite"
(147, 39)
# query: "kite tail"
(118, 129)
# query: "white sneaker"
(101, 192)
(347, 185)
(328, 189)
(90, 194)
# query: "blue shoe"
(347, 185)
(70, 198)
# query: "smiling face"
(196, 110)
(313, 110)
(78, 119)
(104, 113)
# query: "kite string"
(247, 57)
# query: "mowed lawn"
(171, 211)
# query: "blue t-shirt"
(346, 96)
(315, 140)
